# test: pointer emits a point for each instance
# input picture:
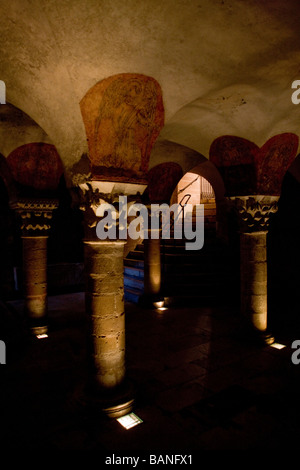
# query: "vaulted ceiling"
(224, 66)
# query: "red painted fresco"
(36, 165)
(247, 169)
(123, 116)
(273, 160)
(235, 159)
(162, 180)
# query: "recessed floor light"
(130, 420)
(43, 336)
(277, 345)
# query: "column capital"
(253, 212)
(92, 194)
(35, 215)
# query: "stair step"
(134, 272)
(133, 282)
(132, 295)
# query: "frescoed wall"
(248, 169)
(36, 165)
(123, 116)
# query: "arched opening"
(195, 189)
(203, 184)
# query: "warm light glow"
(130, 420)
(277, 345)
(162, 308)
(159, 304)
(43, 336)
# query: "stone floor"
(199, 385)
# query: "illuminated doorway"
(194, 189)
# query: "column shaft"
(152, 267)
(35, 280)
(105, 308)
(254, 278)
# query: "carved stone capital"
(35, 215)
(253, 212)
(94, 193)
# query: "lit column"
(108, 388)
(152, 272)
(35, 282)
(35, 217)
(253, 263)
(105, 309)
(152, 267)
(253, 217)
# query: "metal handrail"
(172, 221)
(189, 184)
(182, 208)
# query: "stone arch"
(216, 209)
(209, 171)
(190, 160)
(162, 180)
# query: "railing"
(173, 220)
(186, 197)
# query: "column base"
(259, 337)
(37, 326)
(111, 404)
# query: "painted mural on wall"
(123, 116)
(36, 165)
(162, 180)
(248, 169)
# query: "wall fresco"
(248, 169)
(123, 116)
(273, 160)
(36, 165)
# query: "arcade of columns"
(123, 116)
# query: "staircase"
(204, 277)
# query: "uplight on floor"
(42, 336)
(129, 421)
(277, 345)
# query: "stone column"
(35, 282)
(253, 264)
(105, 309)
(35, 220)
(253, 217)
(152, 267)
(108, 388)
